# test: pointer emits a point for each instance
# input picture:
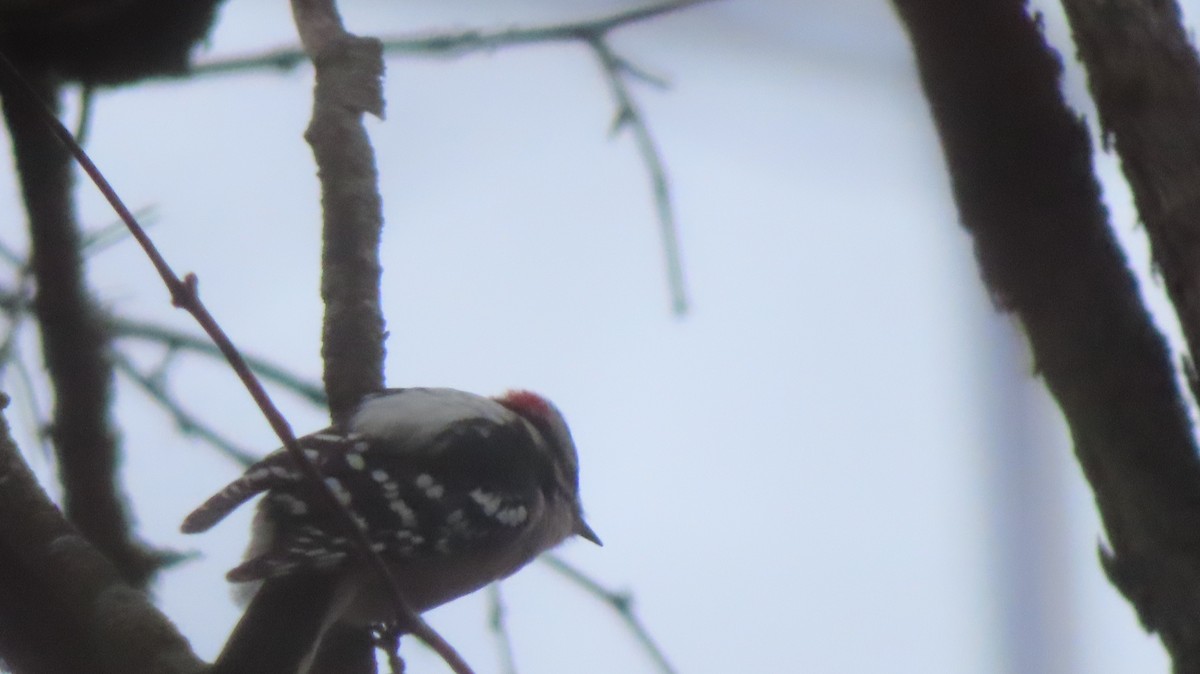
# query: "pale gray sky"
(794, 478)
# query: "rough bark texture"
(63, 607)
(349, 83)
(1021, 171)
(348, 72)
(1145, 79)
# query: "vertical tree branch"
(349, 71)
(74, 343)
(1145, 79)
(1021, 170)
(185, 295)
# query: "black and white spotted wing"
(471, 488)
(274, 470)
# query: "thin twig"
(594, 33)
(74, 343)
(121, 327)
(184, 421)
(1022, 173)
(177, 339)
(453, 44)
(184, 294)
(18, 311)
(497, 621)
(348, 84)
(113, 233)
(10, 256)
(620, 602)
(629, 116)
(87, 97)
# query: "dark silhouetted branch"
(498, 622)
(74, 344)
(63, 605)
(455, 44)
(630, 117)
(1145, 79)
(620, 602)
(592, 32)
(177, 339)
(1020, 164)
(184, 294)
(187, 423)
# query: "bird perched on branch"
(451, 489)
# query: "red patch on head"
(526, 403)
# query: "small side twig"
(114, 232)
(629, 116)
(184, 294)
(450, 45)
(594, 33)
(620, 602)
(17, 308)
(498, 622)
(14, 302)
(11, 257)
(75, 347)
(177, 339)
(87, 100)
(187, 423)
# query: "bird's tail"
(281, 628)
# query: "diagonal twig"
(498, 622)
(453, 44)
(75, 347)
(620, 602)
(178, 339)
(184, 294)
(594, 33)
(629, 116)
(187, 423)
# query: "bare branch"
(629, 116)
(184, 295)
(16, 303)
(1020, 161)
(594, 33)
(63, 606)
(177, 339)
(620, 602)
(17, 307)
(1145, 79)
(499, 624)
(187, 423)
(10, 256)
(458, 43)
(74, 344)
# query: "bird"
(451, 489)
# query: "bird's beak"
(584, 531)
